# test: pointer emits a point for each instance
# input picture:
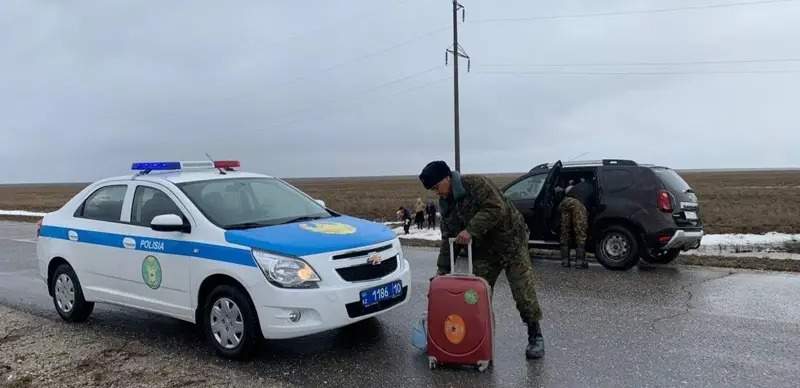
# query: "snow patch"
(23, 213)
(770, 245)
(419, 234)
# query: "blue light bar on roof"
(165, 166)
(155, 166)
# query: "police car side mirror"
(169, 223)
(320, 202)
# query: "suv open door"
(545, 205)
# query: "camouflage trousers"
(516, 261)
(573, 221)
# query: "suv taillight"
(665, 201)
(38, 228)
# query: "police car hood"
(312, 237)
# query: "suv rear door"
(685, 207)
(544, 208)
(523, 193)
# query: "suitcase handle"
(453, 257)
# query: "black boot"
(535, 342)
(565, 256)
(580, 258)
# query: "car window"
(251, 202)
(672, 180)
(105, 204)
(527, 188)
(617, 180)
(149, 203)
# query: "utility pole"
(457, 52)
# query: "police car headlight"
(286, 271)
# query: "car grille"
(364, 272)
(365, 252)
(357, 309)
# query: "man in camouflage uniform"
(574, 221)
(474, 210)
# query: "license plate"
(378, 294)
(690, 215)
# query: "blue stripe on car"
(172, 247)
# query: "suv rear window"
(672, 180)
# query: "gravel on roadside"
(38, 352)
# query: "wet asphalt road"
(655, 326)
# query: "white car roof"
(178, 177)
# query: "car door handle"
(129, 243)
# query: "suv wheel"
(68, 295)
(230, 322)
(617, 249)
(660, 256)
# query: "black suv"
(636, 211)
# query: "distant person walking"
(431, 212)
(419, 214)
(405, 216)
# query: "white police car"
(243, 255)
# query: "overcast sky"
(350, 88)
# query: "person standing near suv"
(474, 210)
(574, 221)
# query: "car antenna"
(578, 156)
(221, 171)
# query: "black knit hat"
(433, 173)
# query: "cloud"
(297, 89)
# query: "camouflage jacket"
(477, 206)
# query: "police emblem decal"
(151, 272)
(328, 227)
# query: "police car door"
(155, 275)
(94, 249)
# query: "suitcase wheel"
(432, 362)
(483, 366)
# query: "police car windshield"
(242, 203)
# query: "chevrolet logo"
(374, 258)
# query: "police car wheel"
(230, 322)
(68, 295)
(617, 248)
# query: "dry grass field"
(732, 202)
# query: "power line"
(634, 73)
(363, 57)
(633, 12)
(358, 102)
(362, 92)
(670, 63)
(358, 16)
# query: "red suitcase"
(460, 318)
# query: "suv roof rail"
(589, 163)
(619, 162)
(540, 166)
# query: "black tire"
(617, 248)
(660, 256)
(239, 345)
(74, 308)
